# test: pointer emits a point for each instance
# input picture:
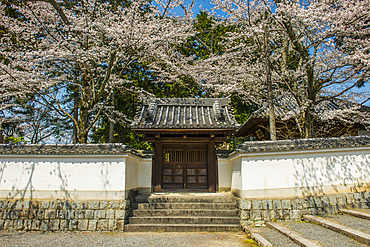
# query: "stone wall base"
(59, 215)
(256, 212)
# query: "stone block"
(333, 200)
(358, 198)
(84, 205)
(297, 204)
(124, 204)
(18, 205)
(80, 214)
(245, 204)
(3, 204)
(73, 225)
(89, 214)
(67, 205)
(314, 211)
(256, 204)
(255, 214)
(59, 205)
(83, 225)
(1, 225)
(66, 214)
(120, 225)
(274, 214)
(18, 225)
(350, 199)
(102, 225)
(15, 214)
(93, 204)
(267, 204)
(286, 214)
(8, 224)
(244, 215)
(52, 204)
(110, 214)
(317, 202)
(113, 205)
(341, 199)
(100, 214)
(367, 196)
(26, 204)
(64, 225)
(44, 225)
(50, 214)
(265, 215)
(34, 205)
(11, 205)
(33, 214)
(35, 225)
(276, 204)
(121, 214)
(92, 225)
(112, 225)
(54, 225)
(1, 213)
(27, 225)
(285, 204)
(308, 203)
(325, 201)
(40, 214)
(45, 204)
(103, 205)
(295, 214)
(75, 205)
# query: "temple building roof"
(184, 113)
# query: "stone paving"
(156, 239)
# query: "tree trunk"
(111, 124)
(75, 116)
(272, 124)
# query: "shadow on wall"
(20, 190)
(341, 174)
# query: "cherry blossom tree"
(316, 50)
(86, 54)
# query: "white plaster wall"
(82, 177)
(236, 176)
(145, 175)
(294, 174)
(132, 180)
(224, 174)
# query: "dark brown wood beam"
(187, 139)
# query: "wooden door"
(185, 166)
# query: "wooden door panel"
(185, 166)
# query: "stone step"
(360, 236)
(186, 212)
(184, 220)
(182, 228)
(191, 199)
(292, 235)
(269, 237)
(356, 213)
(220, 206)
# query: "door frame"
(157, 165)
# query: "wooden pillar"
(157, 167)
(212, 166)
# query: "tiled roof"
(285, 106)
(304, 144)
(184, 113)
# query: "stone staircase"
(184, 212)
(349, 228)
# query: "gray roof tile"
(185, 113)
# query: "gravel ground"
(320, 235)
(274, 237)
(12, 238)
(351, 221)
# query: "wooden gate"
(185, 166)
